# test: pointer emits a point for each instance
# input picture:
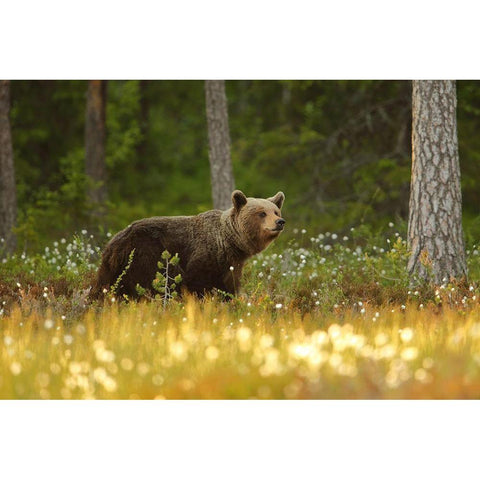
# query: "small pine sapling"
(164, 283)
(114, 287)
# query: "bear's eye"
(277, 214)
(263, 214)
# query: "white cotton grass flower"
(409, 353)
(48, 324)
(406, 335)
(212, 353)
(16, 368)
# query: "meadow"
(321, 315)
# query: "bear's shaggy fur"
(208, 245)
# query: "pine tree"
(95, 135)
(435, 233)
(221, 172)
(8, 194)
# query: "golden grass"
(211, 350)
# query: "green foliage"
(47, 119)
(116, 285)
(164, 282)
(124, 135)
(311, 272)
(57, 212)
(69, 264)
(321, 142)
(166, 255)
(340, 150)
(140, 290)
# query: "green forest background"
(340, 150)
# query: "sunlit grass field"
(208, 350)
(330, 318)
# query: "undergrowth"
(321, 315)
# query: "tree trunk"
(95, 135)
(8, 192)
(435, 234)
(221, 172)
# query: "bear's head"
(259, 220)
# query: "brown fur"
(208, 244)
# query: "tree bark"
(435, 234)
(8, 192)
(95, 135)
(221, 172)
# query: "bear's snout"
(280, 223)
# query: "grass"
(327, 316)
(206, 350)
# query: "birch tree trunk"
(8, 192)
(435, 234)
(221, 172)
(95, 167)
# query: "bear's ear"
(238, 199)
(278, 199)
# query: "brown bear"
(212, 247)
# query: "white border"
(239, 439)
(191, 39)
